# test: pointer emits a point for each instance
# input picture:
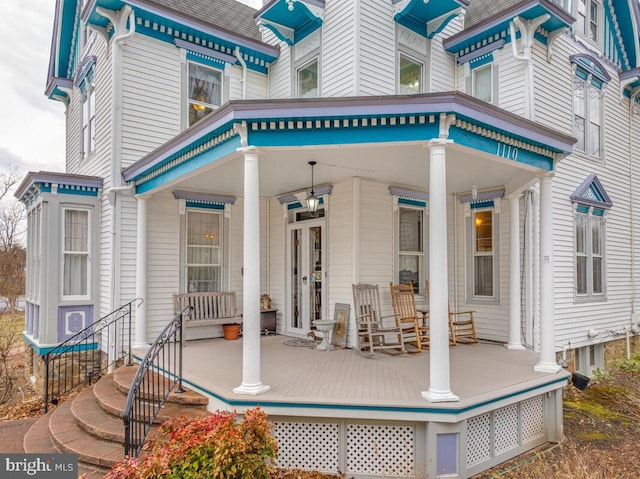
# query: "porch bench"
(208, 309)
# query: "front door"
(305, 302)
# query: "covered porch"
(337, 410)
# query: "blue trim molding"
(427, 19)
(590, 194)
(292, 20)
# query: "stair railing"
(159, 373)
(81, 358)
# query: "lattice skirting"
(366, 449)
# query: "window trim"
(222, 248)
(300, 66)
(589, 84)
(587, 21)
(589, 212)
(423, 257)
(64, 252)
(474, 72)
(480, 62)
(494, 205)
(423, 71)
(188, 100)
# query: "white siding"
(443, 64)
(151, 100)
(376, 48)
(276, 257)
(280, 70)
(511, 91)
(339, 55)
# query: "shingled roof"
(227, 14)
(479, 10)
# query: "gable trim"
(591, 193)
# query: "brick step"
(123, 377)
(113, 400)
(38, 438)
(95, 420)
(69, 437)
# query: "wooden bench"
(208, 309)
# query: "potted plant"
(231, 330)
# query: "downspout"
(527, 30)
(119, 22)
(238, 55)
(631, 235)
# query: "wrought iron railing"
(160, 372)
(82, 358)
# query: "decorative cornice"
(203, 197)
(35, 183)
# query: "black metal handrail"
(80, 359)
(158, 375)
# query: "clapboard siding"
(377, 48)
(511, 82)
(275, 286)
(338, 51)
(443, 64)
(163, 256)
(279, 71)
(151, 100)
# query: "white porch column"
(141, 273)
(439, 373)
(547, 362)
(251, 383)
(514, 275)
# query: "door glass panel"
(296, 280)
(315, 273)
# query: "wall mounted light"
(312, 200)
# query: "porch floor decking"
(308, 377)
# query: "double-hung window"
(204, 254)
(307, 79)
(589, 243)
(483, 239)
(482, 83)
(204, 91)
(588, 14)
(587, 117)
(88, 121)
(411, 250)
(590, 202)
(75, 253)
(410, 75)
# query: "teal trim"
(442, 26)
(582, 209)
(209, 206)
(597, 212)
(189, 166)
(360, 407)
(73, 191)
(205, 60)
(481, 61)
(417, 13)
(474, 205)
(41, 351)
(407, 201)
(298, 18)
(277, 33)
(294, 206)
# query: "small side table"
(424, 311)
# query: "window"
(410, 75)
(307, 76)
(482, 83)
(88, 121)
(75, 270)
(587, 116)
(588, 19)
(589, 241)
(411, 257)
(483, 253)
(204, 256)
(205, 91)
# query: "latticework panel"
(478, 439)
(307, 446)
(387, 451)
(532, 419)
(506, 429)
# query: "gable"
(591, 193)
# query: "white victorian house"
(486, 147)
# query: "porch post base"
(439, 396)
(516, 347)
(251, 389)
(543, 367)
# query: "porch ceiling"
(284, 170)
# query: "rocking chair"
(404, 306)
(460, 330)
(373, 332)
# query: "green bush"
(215, 446)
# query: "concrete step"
(95, 420)
(38, 438)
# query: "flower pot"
(231, 331)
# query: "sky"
(32, 131)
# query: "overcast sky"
(31, 126)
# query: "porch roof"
(298, 123)
(342, 383)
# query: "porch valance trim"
(410, 197)
(204, 198)
(482, 196)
